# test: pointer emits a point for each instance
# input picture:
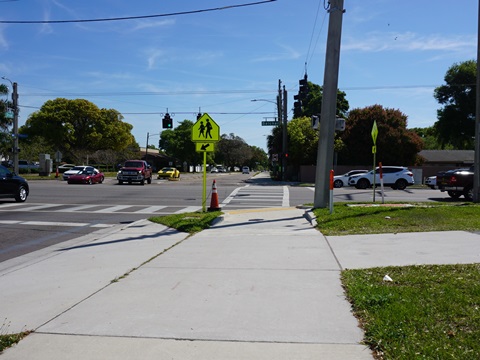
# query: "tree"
(456, 120)
(5, 123)
(312, 105)
(395, 144)
(302, 142)
(232, 150)
(259, 159)
(429, 137)
(78, 128)
(178, 143)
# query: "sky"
(215, 56)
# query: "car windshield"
(135, 164)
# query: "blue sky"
(393, 53)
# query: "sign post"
(205, 133)
(374, 151)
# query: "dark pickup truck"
(456, 182)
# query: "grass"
(7, 340)
(347, 219)
(426, 312)
(191, 222)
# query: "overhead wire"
(134, 17)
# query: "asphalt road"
(56, 212)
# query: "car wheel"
(468, 193)
(120, 182)
(362, 184)
(142, 182)
(454, 194)
(337, 183)
(21, 194)
(401, 184)
(102, 179)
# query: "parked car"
(214, 170)
(397, 177)
(168, 173)
(342, 180)
(12, 185)
(245, 170)
(25, 165)
(431, 182)
(457, 182)
(65, 167)
(75, 170)
(89, 175)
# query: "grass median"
(427, 311)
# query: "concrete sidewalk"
(257, 285)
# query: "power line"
(154, 93)
(132, 17)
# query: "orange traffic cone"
(214, 201)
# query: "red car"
(89, 175)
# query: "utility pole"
(15, 127)
(282, 125)
(476, 168)
(285, 132)
(329, 105)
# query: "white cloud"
(408, 41)
(3, 40)
(148, 24)
(288, 54)
(152, 56)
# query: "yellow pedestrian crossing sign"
(205, 130)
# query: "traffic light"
(167, 122)
(303, 87)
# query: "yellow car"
(168, 173)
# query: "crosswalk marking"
(113, 209)
(150, 210)
(51, 223)
(78, 208)
(241, 197)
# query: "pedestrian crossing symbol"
(205, 130)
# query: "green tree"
(395, 144)
(312, 105)
(259, 159)
(429, 138)
(232, 150)
(456, 120)
(302, 142)
(178, 143)
(5, 123)
(78, 128)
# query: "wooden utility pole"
(329, 105)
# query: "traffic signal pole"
(329, 105)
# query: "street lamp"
(146, 147)
(15, 123)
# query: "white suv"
(398, 177)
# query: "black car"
(12, 185)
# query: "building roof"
(448, 156)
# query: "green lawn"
(348, 218)
(426, 312)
